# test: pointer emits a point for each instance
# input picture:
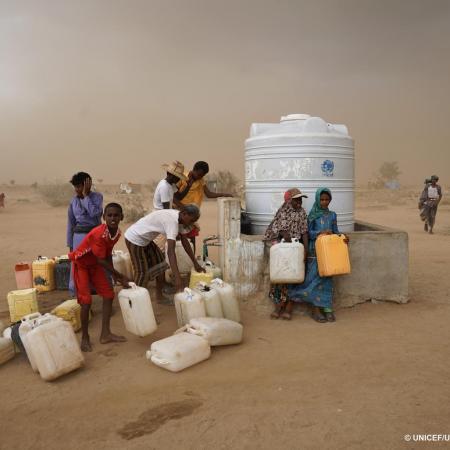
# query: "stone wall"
(379, 259)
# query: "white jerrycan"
(29, 322)
(184, 262)
(128, 266)
(216, 331)
(188, 305)
(179, 351)
(230, 305)
(210, 267)
(119, 261)
(211, 298)
(55, 348)
(287, 263)
(137, 310)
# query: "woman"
(315, 289)
(290, 222)
(428, 203)
(84, 214)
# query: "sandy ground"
(380, 372)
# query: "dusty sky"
(117, 87)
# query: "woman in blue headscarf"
(315, 289)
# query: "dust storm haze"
(117, 88)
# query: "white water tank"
(303, 152)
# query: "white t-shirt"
(163, 194)
(433, 192)
(145, 230)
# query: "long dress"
(295, 222)
(315, 289)
(83, 215)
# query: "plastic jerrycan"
(119, 261)
(230, 305)
(44, 274)
(55, 348)
(287, 264)
(24, 275)
(137, 310)
(179, 351)
(184, 262)
(21, 303)
(70, 311)
(198, 277)
(211, 298)
(29, 322)
(332, 255)
(128, 266)
(210, 267)
(188, 305)
(217, 331)
(62, 273)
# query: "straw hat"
(175, 168)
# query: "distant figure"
(92, 261)
(84, 214)
(2, 200)
(429, 201)
(193, 188)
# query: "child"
(193, 188)
(90, 260)
(163, 196)
(147, 259)
(315, 289)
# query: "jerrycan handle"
(133, 285)
(30, 316)
(192, 330)
(181, 330)
(149, 355)
(218, 282)
(189, 293)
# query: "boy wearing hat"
(164, 192)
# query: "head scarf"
(316, 211)
(288, 219)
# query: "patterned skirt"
(148, 262)
(315, 289)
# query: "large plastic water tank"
(304, 152)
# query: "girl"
(289, 222)
(315, 289)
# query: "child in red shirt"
(91, 260)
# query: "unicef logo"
(327, 168)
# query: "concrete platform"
(379, 259)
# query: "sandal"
(330, 317)
(318, 317)
(277, 312)
(275, 315)
(286, 316)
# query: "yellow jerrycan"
(332, 255)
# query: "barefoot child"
(90, 260)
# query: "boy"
(90, 260)
(163, 196)
(191, 191)
(147, 259)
